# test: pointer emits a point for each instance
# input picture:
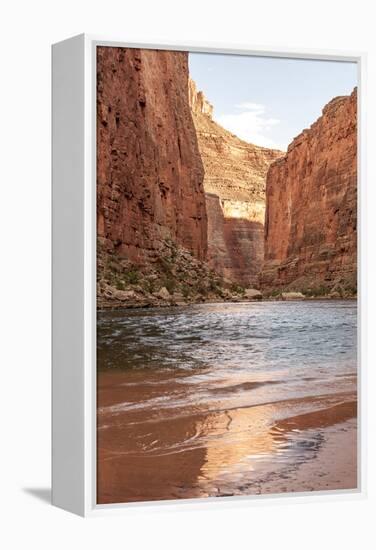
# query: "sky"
(269, 101)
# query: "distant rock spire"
(198, 101)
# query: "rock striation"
(311, 207)
(149, 170)
(234, 182)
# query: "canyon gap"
(234, 182)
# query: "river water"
(225, 399)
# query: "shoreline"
(164, 305)
(216, 457)
(215, 401)
(330, 470)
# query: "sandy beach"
(184, 454)
(214, 400)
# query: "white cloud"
(251, 106)
(252, 124)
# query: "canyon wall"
(234, 182)
(149, 170)
(311, 207)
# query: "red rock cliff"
(235, 173)
(149, 170)
(311, 206)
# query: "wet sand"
(223, 400)
(334, 466)
(160, 453)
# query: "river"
(226, 399)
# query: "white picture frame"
(74, 268)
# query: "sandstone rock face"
(234, 182)
(235, 238)
(149, 170)
(311, 207)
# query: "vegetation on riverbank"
(173, 277)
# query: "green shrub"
(131, 277)
(119, 285)
(170, 284)
(321, 290)
(202, 289)
(237, 289)
(214, 286)
(273, 293)
(165, 264)
(186, 291)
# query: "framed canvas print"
(207, 281)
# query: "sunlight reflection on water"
(218, 381)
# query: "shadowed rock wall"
(234, 182)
